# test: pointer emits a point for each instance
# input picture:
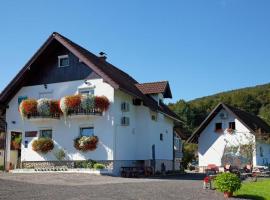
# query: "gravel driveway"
(85, 186)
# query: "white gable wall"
(211, 144)
(64, 131)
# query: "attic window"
(232, 125)
(63, 61)
(218, 127)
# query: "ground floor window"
(87, 131)
(47, 133)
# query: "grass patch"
(255, 190)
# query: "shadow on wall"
(208, 143)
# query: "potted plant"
(16, 142)
(227, 183)
(43, 107)
(43, 145)
(86, 143)
(28, 107)
(70, 104)
(102, 103)
(55, 108)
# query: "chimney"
(102, 55)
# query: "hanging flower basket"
(102, 103)
(85, 143)
(55, 107)
(43, 145)
(43, 107)
(70, 104)
(88, 103)
(28, 107)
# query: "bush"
(2, 168)
(99, 166)
(85, 164)
(43, 145)
(60, 154)
(85, 143)
(227, 182)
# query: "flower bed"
(85, 143)
(43, 145)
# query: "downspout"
(5, 141)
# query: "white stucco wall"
(116, 142)
(211, 144)
(64, 131)
(137, 139)
(264, 158)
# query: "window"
(124, 121)
(87, 131)
(124, 107)
(161, 136)
(86, 91)
(47, 133)
(218, 126)
(261, 151)
(154, 117)
(63, 61)
(232, 125)
(26, 144)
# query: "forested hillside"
(255, 100)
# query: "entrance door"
(15, 150)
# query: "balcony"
(38, 117)
(79, 112)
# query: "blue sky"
(202, 47)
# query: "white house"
(227, 128)
(136, 128)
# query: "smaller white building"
(225, 133)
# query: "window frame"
(45, 129)
(161, 137)
(63, 57)
(232, 125)
(86, 127)
(83, 91)
(218, 129)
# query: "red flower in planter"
(55, 107)
(102, 103)
(28, 107)
(86, 143)
(43, 145)
(73, 102)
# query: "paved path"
(85, 186)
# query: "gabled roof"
(114, 76)
(252, 122)
(162, 87)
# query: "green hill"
(255, 100)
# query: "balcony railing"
(80, 111)
(37, 115)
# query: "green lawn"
(255, 190)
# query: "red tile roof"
(155, 88)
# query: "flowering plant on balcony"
(86, 143)
(43, 145)
(88, 102)
(55, 107)
(70, 103)
(43, 107)
(28, 107)
(102, 103)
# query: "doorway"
(15, 150)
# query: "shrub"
(99, 166)
(60, 154)
(85, 143)
(227, 182)
(43, 107)
(85, 164)
(28, 107)
(2, 168)
(102, 103)
(43, 145)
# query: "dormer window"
(63, 61)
